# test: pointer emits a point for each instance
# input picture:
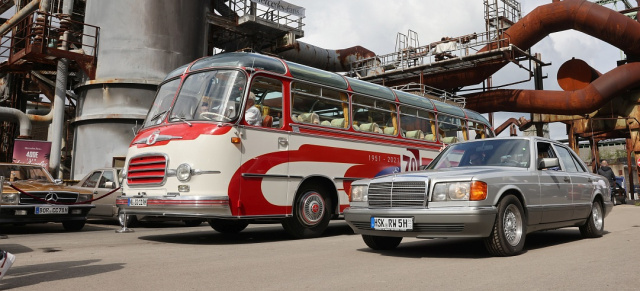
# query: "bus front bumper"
(178, 206)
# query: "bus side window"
(417, 123)
(374, 115)
(269, 100)
(318, 105)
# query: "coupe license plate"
(395, 224)
(137, 201)
(52, 210)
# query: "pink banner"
(35, 152)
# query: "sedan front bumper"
(427, 223)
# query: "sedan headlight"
(84, 197)
(460, 191)
(183, 173)
(10, 198)
(359, 193)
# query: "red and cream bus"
(196, 156)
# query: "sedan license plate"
(52, 210)
(137, 201)
(395, 224)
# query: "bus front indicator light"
(235, 140)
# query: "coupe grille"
(398, 194)
(51, 196)
(146, 170)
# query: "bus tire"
(311, 213)
(227, 226)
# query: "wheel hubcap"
(312, 208)
(596, 213)
(512, 224)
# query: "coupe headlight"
(460, 191)
(359, 193)
(10, 198)
(84, 197)
(183, 173)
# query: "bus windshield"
(206, 96)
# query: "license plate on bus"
(394, 224)
(52, 210)
(137, 201)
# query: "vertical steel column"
(56, 128)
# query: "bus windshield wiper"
(174, 118)
(158, 115)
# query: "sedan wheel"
(509, 229)
(594, 227)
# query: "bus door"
(265, 155)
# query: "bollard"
(123, 223)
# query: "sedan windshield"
(486, 152)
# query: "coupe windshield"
(491, 152)
(21, 172)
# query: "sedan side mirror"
(546, 163)
(109, 185)
(57, 181)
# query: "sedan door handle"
(589, 180)
(566, 179)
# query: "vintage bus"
(196, 156)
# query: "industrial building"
(78, 77)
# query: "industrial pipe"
(583, 101)
(325, 59)
(24, 12)
(15, 115)
(581, 15)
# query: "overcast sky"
(374, 24)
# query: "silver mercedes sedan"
(497, 189)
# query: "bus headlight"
(359, 193)
(183, 173)
(10, 198)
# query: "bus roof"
(273, 64)
(316, 75)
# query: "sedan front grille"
(398, 194)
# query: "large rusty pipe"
(582, 101)
(330, 60)
(24, 12)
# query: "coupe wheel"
(509, 229)
(73, 225)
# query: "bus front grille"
(146, 170)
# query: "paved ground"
(173, 257)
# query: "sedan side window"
(107, 176)
(93, 180)
(545, 150)
(567, 160)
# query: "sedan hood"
(457, 173)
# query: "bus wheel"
(311, 213)
(227, 226)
